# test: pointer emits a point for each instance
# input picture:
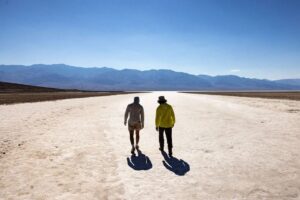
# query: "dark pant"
(169, 138)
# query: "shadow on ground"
(178, 166)
(139, 162)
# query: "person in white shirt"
(135, 111)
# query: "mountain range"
(70, 77)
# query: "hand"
(125, 123)
(142, 125)
(156, 128)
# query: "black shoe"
(170, 153)
(132, 150)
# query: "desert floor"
(224, 148)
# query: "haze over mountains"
(70, 77)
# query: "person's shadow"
(139, 162)
(179, 167)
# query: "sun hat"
(161, 99)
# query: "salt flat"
(236, 148)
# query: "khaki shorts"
(134, 126)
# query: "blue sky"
(253, 38)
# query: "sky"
(249, 38)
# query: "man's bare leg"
(137, 138)
(131, 141)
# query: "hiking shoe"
(132, 150)
(170, 153)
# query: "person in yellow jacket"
(164, 121)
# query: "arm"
(126, 115)
(173, 115)
(157, 118)
(142, 116)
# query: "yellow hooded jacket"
(165, 116)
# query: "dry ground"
(231, 148)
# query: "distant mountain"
(231, 82)
(70, 77)
(295, 82)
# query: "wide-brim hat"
(162, 99)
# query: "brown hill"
(6, 87)
(11, 93)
